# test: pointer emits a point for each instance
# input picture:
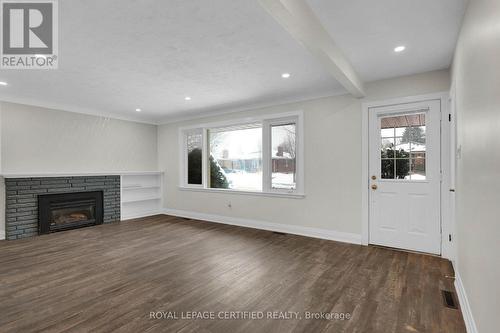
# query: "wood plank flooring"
(111, 277)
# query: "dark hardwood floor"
(111, 277)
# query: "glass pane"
(387, 171)
(403, 147)
(403, 169)
(400, 131)
(236, 157)
(418, 166)
(283, 156)
(387, 132)
(387, 148)
(388, 143)
(194, 152)
(406, 146)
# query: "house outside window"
(261, 155)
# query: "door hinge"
(449, 237)
(449, 117)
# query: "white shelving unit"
(141, 194)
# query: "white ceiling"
(119, 55)
(367, 31)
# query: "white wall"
(332, 161)
(42, 140)
(476, 76)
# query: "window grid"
(411, 160)
(266, 174)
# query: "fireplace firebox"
(64, 211)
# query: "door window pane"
(235, 159)
(418, 166)
(194, 142)
(406, 146)
(387, 170)
(402, 168)
(283, 156)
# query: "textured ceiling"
(119, 55)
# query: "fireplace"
(64, 211)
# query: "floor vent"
(449, 299)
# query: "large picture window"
(236, 157)
(263, 155)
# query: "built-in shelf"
(141, 194)
(141, 199)
(139, 187)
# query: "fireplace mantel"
(78, 174)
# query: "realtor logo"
(29, 34)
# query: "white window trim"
(267, 121)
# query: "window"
(283, 156)
(194, 150)
(403, 147)
(259, 155)
(236, 157)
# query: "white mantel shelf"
(79, 174)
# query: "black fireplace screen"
(65, 211)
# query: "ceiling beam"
(296, 17)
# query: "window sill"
(260, 194)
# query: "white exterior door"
(405, 176)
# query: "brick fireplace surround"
(21, 207)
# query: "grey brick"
(18, 187)
(77, 188)
(28, 218)
(20, 201)
(20, 214)
(28, 182)
(31, 230)
(93, 188)
(56, 190)
(54, 181)
(23, 205)
(24, 223)
(33, 210)
(22, 196)
(94, 178)
(33, 191)
(87, 184)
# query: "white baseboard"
(2, 234)
(344, 237)
(138, 215)
(470, 324)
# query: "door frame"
(447, 224)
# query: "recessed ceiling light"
(138, 110)
(2, 83)
(285, 75)
(399, 48)
(187, 98)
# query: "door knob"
(374, 177)
(374, 187)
